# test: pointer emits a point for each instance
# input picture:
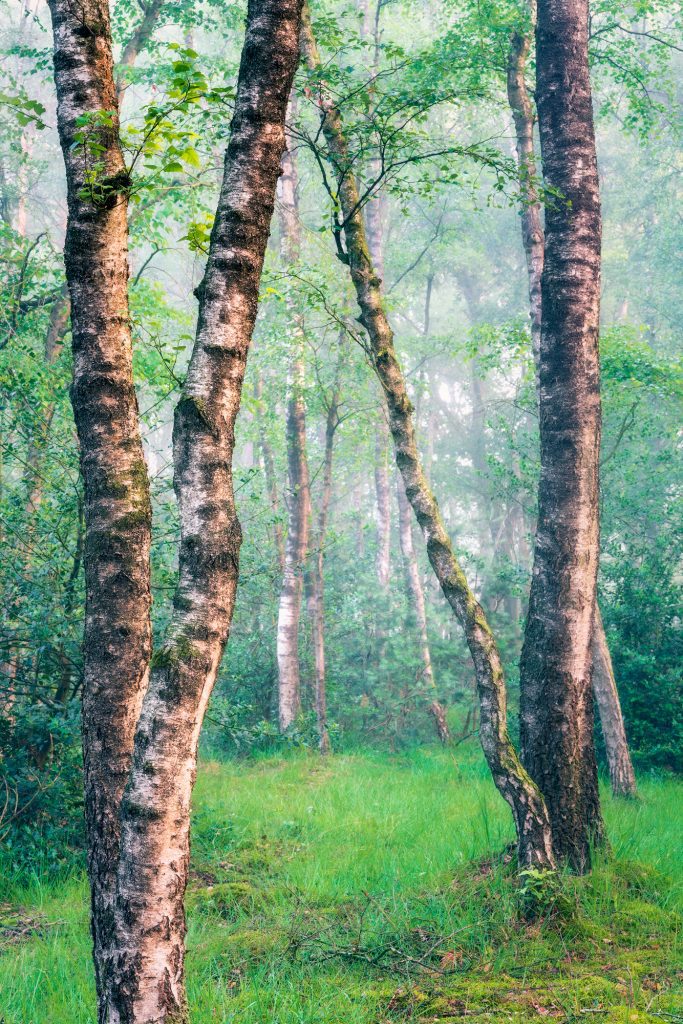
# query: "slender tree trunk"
(373, 220)
(488, 511)
(555, 668)
(358, 497)
(146, 978)
(416, 599)
(517, 788)
(117, 639)
(137, 42)
(383, 502)
(296, 547)
(316, 586)
(532, 227)
(58, 325)
(64, 688)
(299, 501)
(621, 772)
(604, 683)
(271, 482)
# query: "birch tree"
(146, 982)
(555, 670)
(139, 842)
(117, 633)
(298, 492)
(621, 771)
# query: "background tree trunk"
(621, 771)
(555, 669)
(416, 600)
(146, 980)
(604, 683)
(271, 482)
(530, 211)
(524, 798)
(137, 42)
(383, 506)
(298, 498)
(117, 639)
(316, 585)
(373, 220)
(58, 325)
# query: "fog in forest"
(321, 328)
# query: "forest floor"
(371, 889)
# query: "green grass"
(374, 889)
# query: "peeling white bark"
(145, 977)
(604, 683)
(117, 635)
(298, 497)
(556, 709)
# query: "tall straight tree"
(605, 690)
(117, 636)
(556, 696)
(513, 782)
(374, 217)
(315, 575)
(298, 492)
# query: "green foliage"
(41, 799)
(543, 895)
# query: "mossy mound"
(229, 900)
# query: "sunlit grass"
(307, 871)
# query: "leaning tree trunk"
(146, 978)
(416, 599)
(299, 502)
(117, 637)
(555, 670)
(622, 776)
(138, 40)
(524, 798)
(604, 683)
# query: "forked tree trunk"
(117, 639)
(524, 798)
(299, 501)
(146, 975)
(416, 600)
(604, 684)
(555, 670)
